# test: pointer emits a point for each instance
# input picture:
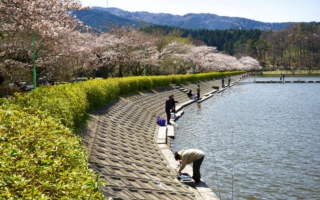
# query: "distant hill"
(195, 21)
(101, 21)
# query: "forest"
(294, 47)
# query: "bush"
(66, 103)
(144, 83)
(41, 159)
(100, 92)
(161, 81)
(176, 79)
(127, 85)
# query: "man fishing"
(190, 156)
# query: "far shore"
(289, 73)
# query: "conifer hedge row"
(41, 157)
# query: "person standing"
(168, 107)
(198, 91)
(222, 80)
(190, 156)
(229, 80)
(283, 77)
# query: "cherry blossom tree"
(250, 63)
(122, 52)
(48, 20)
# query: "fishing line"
(215, 166)
(232, 162)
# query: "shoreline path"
(125, 145)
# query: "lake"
(262, 141)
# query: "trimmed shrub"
(161, 81)
(41, 159)
(127, 85)
(144, 83)
(100, 92)
(66, 103)
(176, 79)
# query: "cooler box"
(186, 179)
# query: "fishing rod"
(215, 166)
(232, 162)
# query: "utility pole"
(144, 71)
(192, 67)
(175, 67)
(34, 60)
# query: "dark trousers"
(196, 169)
(168, 116)
(198, 94)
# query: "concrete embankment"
(125, 145)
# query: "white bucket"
(173, 116)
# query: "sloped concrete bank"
(124, 146)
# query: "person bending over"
(190, 156)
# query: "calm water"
(262, 141)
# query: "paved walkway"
(131, 151)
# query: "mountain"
(101, 21)
(195, 21)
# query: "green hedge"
(99, 92)
(182, 79)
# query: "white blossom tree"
(48, 20)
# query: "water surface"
(262, 141)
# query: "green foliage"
(144, 82)
(161, 81)
(127, 84)
(224, 40)
(99, 92)
(66, 103)
(176, 79)
(40, 158)
(179, 79)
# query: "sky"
(259, 10)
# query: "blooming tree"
(48, 20)
(44, 17)
(250, 63)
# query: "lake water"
(262, 141)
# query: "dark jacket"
(173, 102)
(168, 105)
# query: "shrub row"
(41, 157)
(180, 79)
(132, 84)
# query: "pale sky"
(259, 10)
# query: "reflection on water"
(261, 141)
